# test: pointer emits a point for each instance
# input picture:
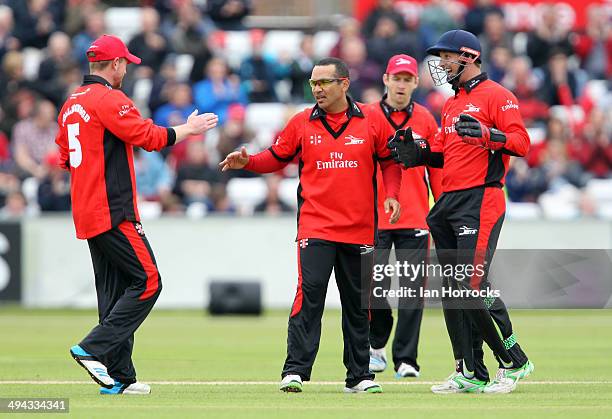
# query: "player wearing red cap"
(410, 235)
(338, 143)
(481, 128)
(98, 128)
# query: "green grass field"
(200, 366)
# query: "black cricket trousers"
(411, 246)
(465, 227)
(352, 264)
(127, 285)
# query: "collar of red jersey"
(353, 110)
(472, 83)
(388, 109)
(91, 79)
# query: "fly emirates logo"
(451, 128)
(337, 161)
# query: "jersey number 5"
(74, 145)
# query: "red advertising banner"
(521, 15)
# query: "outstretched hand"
(235, 160)
(198, 124)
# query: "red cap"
(402, 64)
(109, 47)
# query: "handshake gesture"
(408, 151)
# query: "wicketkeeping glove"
(473, 132)
(408, 151)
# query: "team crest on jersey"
(353, 140)
(315, 139)
(139, 229)
(471, 108)
(304, 243)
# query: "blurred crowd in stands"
(189, 61)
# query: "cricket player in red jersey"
(98, 128)
(410, 235)
(339, 143)
(481, 128)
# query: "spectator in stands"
(594, 45)
(272, 204)
(34, 138)
(8, 42)
(180, 106)
(300, 70)
(235, 132)
(76, 14)
(559, 169)
(54, 188)
(594, 151)
(195, 177)
(149, 44)
(191, 27)
(218, 91)
(384, 8)
(153, 176)
(53, 69)
(499, 62)
(387, 40)
(559, 84)
(9, 183)
(520, 79)
(349, 29)
(372, 94)
(495, 34)
(257, 72)
(163, 83)
(15, 206)
(229, 14)
(556, 130)
(35, 21)
(201, 59)
(475, 16)
(436, 18)
(363, 72)
(94, 28)
(522, 183)
(548, 35)
(12, 80)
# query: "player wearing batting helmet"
(481, 128)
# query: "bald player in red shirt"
(339, 143)
(410, 235)
(481, 128)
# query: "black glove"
(408, 151)
(474, 133)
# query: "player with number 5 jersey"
(98, 128)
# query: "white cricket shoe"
(378, 360)
(121, 388)
(406, 370)
(94, 368)
(291, 383)
(458, 383)
(364, 386)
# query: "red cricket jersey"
(98, 126)
(465, 165)
(414, 190)
(338, 157)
